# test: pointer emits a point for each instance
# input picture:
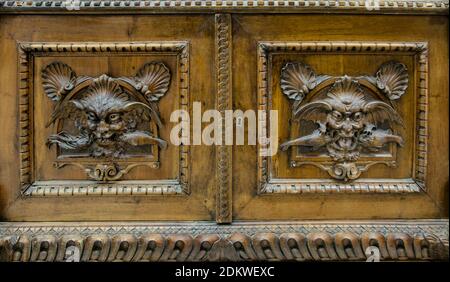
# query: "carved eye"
(114, 117)
(91, 116)
(357, 116)
(336, 115)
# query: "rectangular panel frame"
(269, 185)
(30, 188)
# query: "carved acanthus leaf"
(58, 79)
(392, 79)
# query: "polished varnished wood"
(134, 197)
(248, 30)
(198, 30)
(251, 29)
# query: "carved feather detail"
(378, 112)
(58, 79)
(314, 111)
(153, 80)
(392, 79)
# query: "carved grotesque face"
(351, 116)
(345, 113)
(104, 118)
(107, 119)
(346, 117)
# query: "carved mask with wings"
(107, 118)
(346, 110)
(350, 118)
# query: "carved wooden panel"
(104, 126)
(343, 124)
(88, 170)
(358, 129)
(271, 6)
(93, 102)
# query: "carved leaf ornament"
(348, 119)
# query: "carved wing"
(136, 112)
(377, 112)
(73, 110)
(58, 79)
(314, 111)
(153, 80)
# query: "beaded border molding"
(418, 50)
(351, 6)
(29, 187)
(244, 241)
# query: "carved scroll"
(105, 117)
(349, 118)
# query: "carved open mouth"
(346, 134)
(346, 143)
(105, 140)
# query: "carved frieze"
(349, 119)
(293, 6)
(401, 240)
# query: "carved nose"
(347, 127)
(102, 127)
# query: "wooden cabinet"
(94, 98)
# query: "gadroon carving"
(350, 119)
(256, 241)
(106, 118)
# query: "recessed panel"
(105, 123)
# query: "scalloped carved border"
(26, 53)
(296, 6)
(278, 241)
(266, 185)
